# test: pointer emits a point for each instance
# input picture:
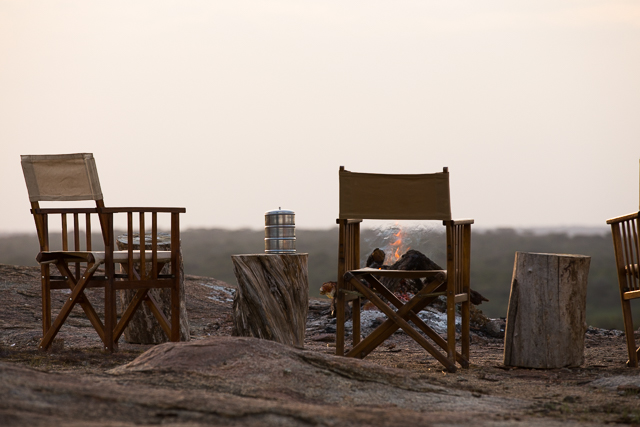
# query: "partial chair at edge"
(626, 246)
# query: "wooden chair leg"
(110, 313)
(466, 332)
(356, 320)
(46, 297)
(175, 310)
(629, 334)
(340, 319)
(451, 325)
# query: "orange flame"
(398, 244)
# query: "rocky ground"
(217, 379)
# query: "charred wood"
(411, 260)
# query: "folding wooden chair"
(402, 197)
(626, 246)
(73, 177)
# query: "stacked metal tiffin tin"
(280, 232)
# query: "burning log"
(376, 259)
(411, 260)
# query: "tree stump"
(547, 310)
(143, 327)
(272, 298)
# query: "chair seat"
(121, 257)
(408, 274)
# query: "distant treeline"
(207, 252)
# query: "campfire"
(396, 253)
(395, 240)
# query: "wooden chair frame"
(625, 231)
(79, 267)
(355, 283)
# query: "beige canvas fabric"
(64, 177)
(378, 196)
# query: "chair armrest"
(64, 210)
(623, 218)
(348, 221)
(459, 221)
(141, 210)
(69, 256)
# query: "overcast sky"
(234, 108)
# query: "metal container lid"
(279, 217)
(280, 212)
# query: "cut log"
(546, 315)
(272, 299)
(143, 327)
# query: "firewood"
(376, 259)
(412, 260)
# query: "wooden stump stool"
(143, 327)
(272, 298)
(546, 316)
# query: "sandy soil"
(216, 379)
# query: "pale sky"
(234, 108)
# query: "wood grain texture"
(272, 299)
(546, 318)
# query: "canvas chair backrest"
(61, 177)
(397, 197)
